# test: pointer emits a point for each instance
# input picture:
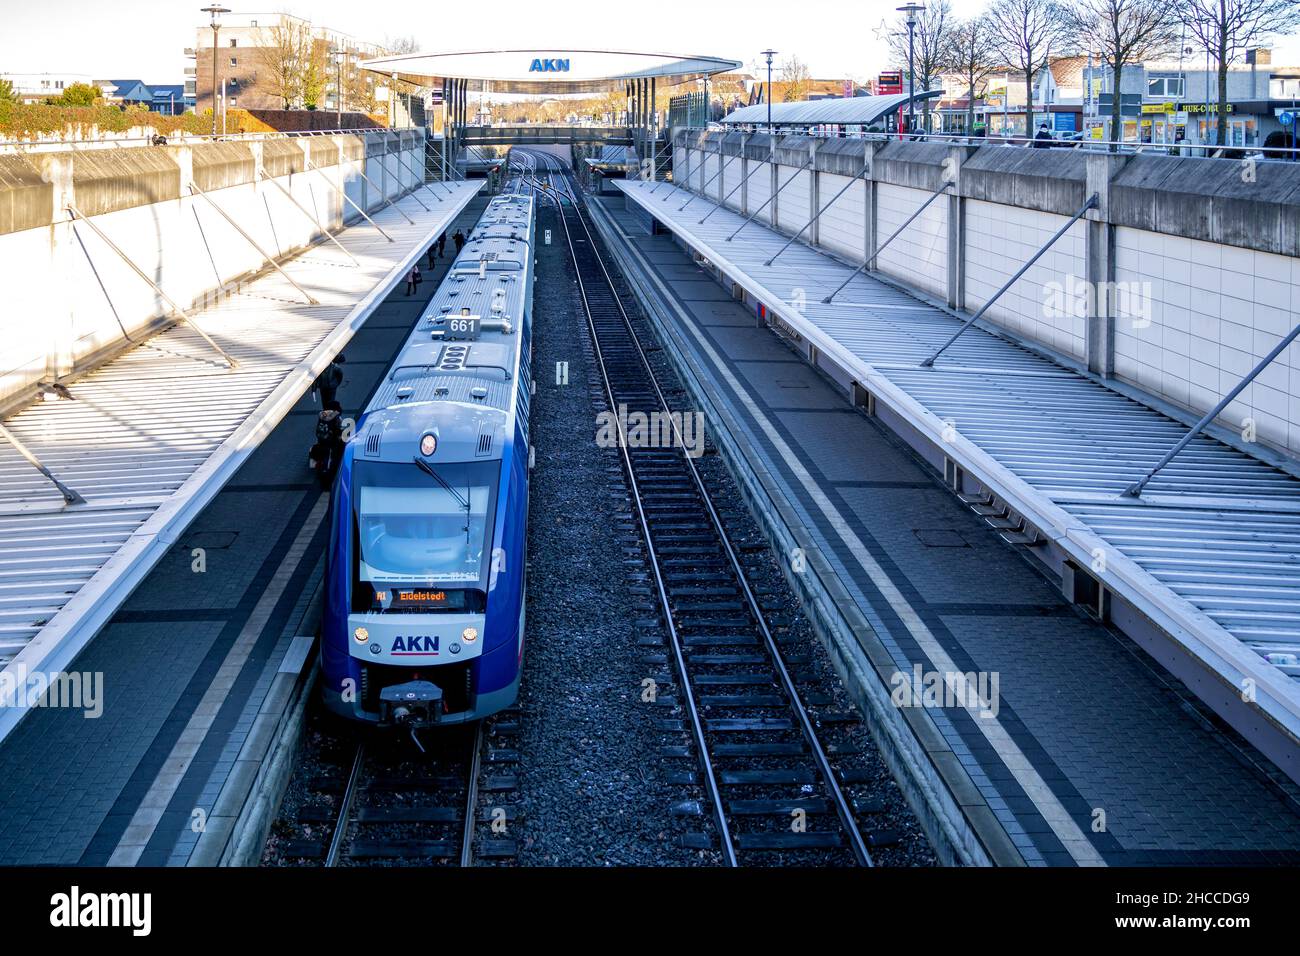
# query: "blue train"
(424, 597)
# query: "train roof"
(461, 385)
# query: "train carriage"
(424, 598)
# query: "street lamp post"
(912, 9)
(215, 11)
(769, 54)
(339, 55)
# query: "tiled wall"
(920, 253)
(792, 209)
(999, 240)
(842, 227)
(1202, 316)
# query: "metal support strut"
(1135, 490)
(386, 200)
(308, 213)
(705, 184)
(348, 199)
(809, 223)
(70, 496)
(384, 163)
(770, 199)
(1092, 201)
(723, 201)
(253, 242)
(76, 214)
(881, 248)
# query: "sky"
(144, 39)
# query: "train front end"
(423, 612)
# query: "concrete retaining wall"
(1199, 255)
(72, 299)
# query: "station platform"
(146, 439)
(203, 660)
(1095, 754)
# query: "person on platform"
(327, 382)
(413, 280)
(442, 245)
(459, 239)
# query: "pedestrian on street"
(1043, 138)
(327, 382)
(442, 244)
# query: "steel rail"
(692, 709)
(843, 807)
(471, 800)
(345, 806)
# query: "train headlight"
(428, 445)
(469, 635)
(361, 635)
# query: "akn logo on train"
(415, 644)
(549, 66)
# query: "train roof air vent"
(484, 444)
(453, 357)
(372, 444)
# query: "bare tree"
(283, 51)
(972, 58)
(1227, 28)
(1024, 34)
(794, 80)
(1123, 32)
(931, 46)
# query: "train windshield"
(422, 532)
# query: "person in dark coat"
(1043, 138)
(442, 244)
(327, 452)
(327, 382)
(433, 251)
(459, 239)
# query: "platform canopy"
(547, 70)
(848, 110)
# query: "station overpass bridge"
(547, 72)
(547, 134)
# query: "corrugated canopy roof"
(863, 110)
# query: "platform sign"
(888, 82)
(547, 239)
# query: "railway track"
(378, 801)
(773, 790)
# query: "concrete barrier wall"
(74, 299)
(920, 253)
(999, 240)
(1214, 311)
(1179, 282)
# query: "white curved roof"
(548, 70)
(845, 109)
